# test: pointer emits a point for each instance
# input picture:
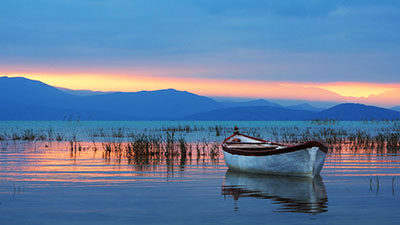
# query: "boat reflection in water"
(292, 194)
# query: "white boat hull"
(307, 162)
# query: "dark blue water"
(43, 183)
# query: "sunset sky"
(327, 51)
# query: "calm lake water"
(193, 130)
(44, 183)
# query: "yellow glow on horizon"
(352, 89)
(219, 87)
(210, 87)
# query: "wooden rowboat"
(253, 155)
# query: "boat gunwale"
(268, 151)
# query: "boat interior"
(240, 141)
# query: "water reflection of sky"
(51, 185)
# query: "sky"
(333, 50)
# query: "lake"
(44, 182)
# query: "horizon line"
(386, 95)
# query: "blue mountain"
(23, 91)
(354, 111)
(257, 102)
(265, 113)
(82, 92)
(24, 99)
(305, 106)
(347, 111)
(396, 108)
(161, 104)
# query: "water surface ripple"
(46, 183)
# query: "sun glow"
(358, 89)
(337, 92)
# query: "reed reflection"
(291, 194)
(113, 162)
